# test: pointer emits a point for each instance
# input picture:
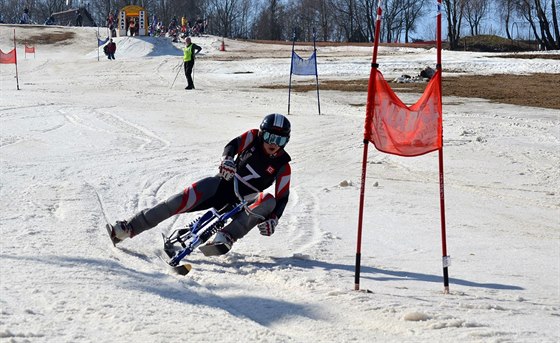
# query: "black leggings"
(209, 192)
(188, 73)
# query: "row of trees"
(334, 20)
(541, 16)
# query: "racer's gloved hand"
(267, 227)
(227, 168)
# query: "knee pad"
(264, 204)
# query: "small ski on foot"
(207, 250)
(182, 269)
(212, 249)
(171, 250)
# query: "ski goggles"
(272, 138)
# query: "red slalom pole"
(445, 258)
(360, 220)
(367, 134)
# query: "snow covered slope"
(85, 138)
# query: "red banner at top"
(29, 49)
(8, 58)
(397, 129)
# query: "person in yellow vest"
(189, 51)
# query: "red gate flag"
(397, 129)
(29, 49)
(8, 58)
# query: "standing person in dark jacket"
(110, 49)
(188, 60)
(78, 18)
(259, 159)
(25, 17)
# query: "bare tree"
(225, 13)
(326, 21)
(546, 36)
(455, 10)
(368, 10)
(525, 9)
(505, 10)
(268, 22)
(302, 16)
(555, 22)
(413, 10)
(536, 15)
(244, 23)
(347, 19)
(475, 11)
(393, 19)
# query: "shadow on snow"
(264, 311)
(370, 273)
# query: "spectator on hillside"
(50, 21)
(160, 29)
(172, 24)
(25, 16)
(132, 27)
(200, 25)
(113, 30)
(110, 21)
(78, 18)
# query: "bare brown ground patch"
(44, 35)
(536, 90)
(62, 37)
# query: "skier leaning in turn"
(261, 161)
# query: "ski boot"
(118, 232)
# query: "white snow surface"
(80, 130)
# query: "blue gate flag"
(102, 42)
(304, 67)
(299, 66)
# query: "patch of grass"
(492, 43)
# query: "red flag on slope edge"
(8, 58)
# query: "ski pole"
(176, 75)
